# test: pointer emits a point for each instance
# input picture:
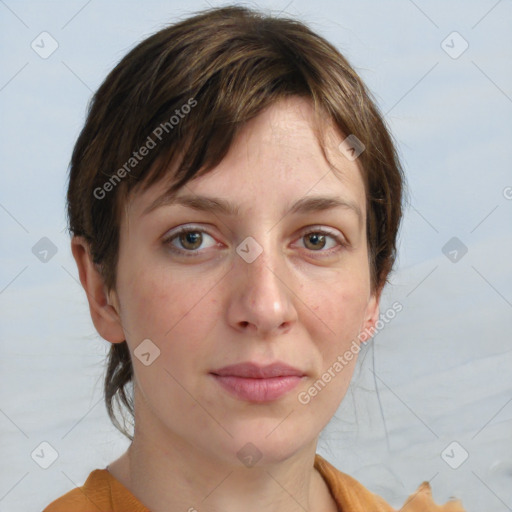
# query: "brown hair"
(187, 90)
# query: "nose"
(261, 298)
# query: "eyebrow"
(220, 206)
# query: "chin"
(267, 441)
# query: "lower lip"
(258, 390)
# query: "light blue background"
(442, 367)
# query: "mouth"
(255, 383)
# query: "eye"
(321, 240)
(187, 241)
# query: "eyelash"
(194, 253)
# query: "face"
(262, 264)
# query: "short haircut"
(181, 96)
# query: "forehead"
(275, 158)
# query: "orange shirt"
(103, 493)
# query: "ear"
(371, 316)
(104, 314)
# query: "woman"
(234, 201)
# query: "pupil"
(193, 239)
(316, 239)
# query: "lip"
(252, 370)
(256, 383)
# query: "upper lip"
(256, 371)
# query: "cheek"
(174, 313)
(334, 328)
(338, 311)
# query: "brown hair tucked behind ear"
(118, 377)
(182, 94)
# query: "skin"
(302, 301)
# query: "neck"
(167, 473)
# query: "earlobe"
(104, 313)
(371, 317)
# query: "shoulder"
(350, 494)
(93, 495)
(101, 491)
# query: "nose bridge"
(261, 274)
(263, 297)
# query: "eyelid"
(171, 233)
(322, 229)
